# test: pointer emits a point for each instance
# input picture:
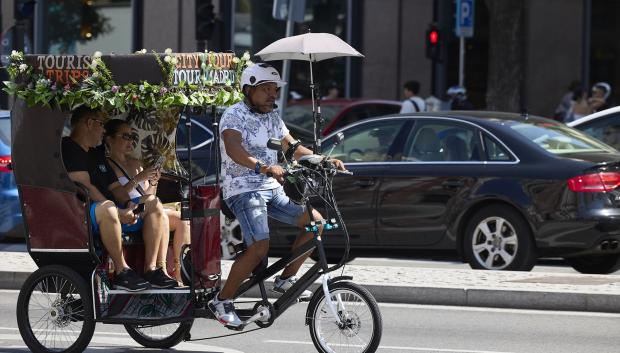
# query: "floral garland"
(101, 92)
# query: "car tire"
(511, 247)
(230, 237)
(597, 265)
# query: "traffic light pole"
(462, 61)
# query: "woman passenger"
(119, 141)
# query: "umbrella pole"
(316, 112)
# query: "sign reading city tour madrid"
(141, 80)
(464, 18)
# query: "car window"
(494, 151)
(557, 138)
(385, 109)
(354, 114)
(440, 142)
(201, 135)
(606, 129)
(5, 131)
(369, 142)
(301, 115)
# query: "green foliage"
(100, 91)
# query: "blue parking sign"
(464, 18)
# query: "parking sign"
(464, 18)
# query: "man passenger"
(87, 165)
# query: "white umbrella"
(311, 47)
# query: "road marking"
(121, 344)
(401, 348)
(499, 310)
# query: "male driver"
(412, 103)
(250, 193)
(87, 165)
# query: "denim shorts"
(252, 209)
(124, 227)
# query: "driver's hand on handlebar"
(275, 171)
(338, 163)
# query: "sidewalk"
(500, 289)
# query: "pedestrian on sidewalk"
(412, 103)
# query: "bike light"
(597, 182)
(5, 164)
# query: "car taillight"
(5, 162)
(597, 182)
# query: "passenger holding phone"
(138, 183)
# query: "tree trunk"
(506, 76)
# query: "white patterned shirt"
(256, 129)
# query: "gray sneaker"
(282, 285)
(224, 311)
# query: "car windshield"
(558, 138)
(301, 114)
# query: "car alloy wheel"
(495, 243)
(498, 238)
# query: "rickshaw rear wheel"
(55, 311)
(160, 336)
(360, 326)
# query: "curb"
(450, 296)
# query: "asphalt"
(460, 287)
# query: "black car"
(500, 189)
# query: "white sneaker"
(282, 285)
(224, 311)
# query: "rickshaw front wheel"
(360, 326)
(160, 336)
(55, 311)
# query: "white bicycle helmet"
(456, 90)
(260, 73)
(605, 87)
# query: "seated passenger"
(88, 166)
(120, 143)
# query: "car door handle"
(364, 182)
(453, 183)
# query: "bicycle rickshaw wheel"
(55, 311)
(159, 336)
(362, 324)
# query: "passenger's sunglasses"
(126, 137)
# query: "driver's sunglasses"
(126, 137)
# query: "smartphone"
(160, 161)
(139, 209)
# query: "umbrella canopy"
(309, 47)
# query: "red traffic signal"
(433, 44)
(433, 37)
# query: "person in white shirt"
(412, 103)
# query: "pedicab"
(61, 302)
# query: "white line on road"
(499, 310)
(401, 348)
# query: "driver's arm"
(236, 152)
(83, 178)
(288, 140)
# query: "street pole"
(462, 61)
(286, 64)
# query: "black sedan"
(500, 189)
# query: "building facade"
(565, 40)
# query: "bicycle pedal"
(235, 328)
(304, 299)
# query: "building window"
(84, 26)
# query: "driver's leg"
(302, 238)
(250, 208)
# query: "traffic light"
(205, 20)
(433, 43)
